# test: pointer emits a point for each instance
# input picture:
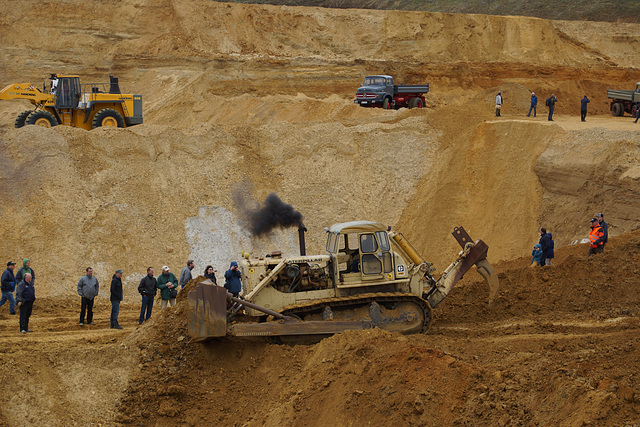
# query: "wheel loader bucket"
(207, 311)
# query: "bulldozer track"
(361, 299)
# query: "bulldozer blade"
(490, 276)
(207, 312)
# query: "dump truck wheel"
(107, 117)
(617, 109)
(415, 103)
(22, 118)
(634, 110)
(41, 118)
(386, 104)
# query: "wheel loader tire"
(386, 105)
(22, 118)
(617, 109)
(41, 118)
(107, 117)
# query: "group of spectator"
(551, 104)
(89, 287)
(543, 251)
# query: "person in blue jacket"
(536, 255)
(8, 285)
(232, 279)
(583, 108)
(550, 254)
(534, 104)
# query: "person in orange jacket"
(596, 237)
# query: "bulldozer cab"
(362, 251)
(67, 91)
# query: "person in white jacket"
(498, 103)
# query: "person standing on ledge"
(596, 237)
(551, 103)
(185, 274)
(116, 297)
(498, 103)
(88, 289)
(534, 103)
(148, 289)
(168, 285)
(8, 285)
(583, 108)
(25, 295)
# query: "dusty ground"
(558, 347)
(243, 99)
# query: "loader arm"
(24, 91)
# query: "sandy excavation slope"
(266, 108)
(247, 100)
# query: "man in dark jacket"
(551, 103)
(232, 279)
(545, 243)
(26, 268)
(147, 288)
(605, 229)
(551, 254)
(534, 104)
(583, 108)
(116, 297)
(7, 286)
(25, 295)
(88, 288)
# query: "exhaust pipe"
(303, 247)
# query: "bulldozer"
(369, 277)
(70, 103)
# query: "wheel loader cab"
(67, 92)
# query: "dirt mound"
(557, 347)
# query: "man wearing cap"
(185, 274)
(534, 104)
(605, 229)
(148, 288)
(116, 297)
(232, 279)
(596, 237)
(7, 286)
(168, 285)
(88, 288)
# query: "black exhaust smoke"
(273, 213)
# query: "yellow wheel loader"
(69, 103)
(369, 277)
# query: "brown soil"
(254, 99)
